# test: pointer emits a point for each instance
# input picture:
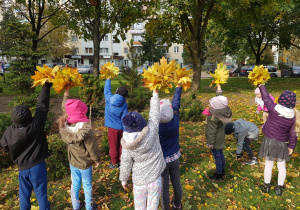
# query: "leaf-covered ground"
(239, 190)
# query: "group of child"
(149, 151)
(281, 128)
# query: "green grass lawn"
(239, 190)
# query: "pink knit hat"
(218, 102)
(76, 111)
(257, 91)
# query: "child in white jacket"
(142, 155)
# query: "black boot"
(278, 190)
(265, 188)
(216, 177)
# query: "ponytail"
(297, 123)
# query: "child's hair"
(297, 123)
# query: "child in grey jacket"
(142, 154)
(245, 132)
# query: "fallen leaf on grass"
(257, 175)
(189, 187)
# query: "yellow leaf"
(109, 71)
(293, 174)
(257, 174)
(295, 154)
(160, 75)
(183, 77)
(221, 74)
(189, 187)
(209, 194)
(259, 75)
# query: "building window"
(74, 38)
(75, 51)
(164, 51)
(139, 50)
(116, 54)
(137, 38)
(105, 38)
(176, 49)
(126, 62)
(125, 49)
(88, 50)
(103, 50)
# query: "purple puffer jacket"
(278, 128)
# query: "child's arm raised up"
(42, 106)
(177, 97)
(154, 114)
(65, 98)
(269, 103)
(107, 89)
(219, 91)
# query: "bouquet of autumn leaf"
(183, 77)
(62, 78)
(109, 71)
(259, 75)
(160, 75)
(221, 75)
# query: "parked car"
(85, 69)
(141, 69)
(124, 68)
(246, 69)
(231, 69)
(291, 71)
(272, 71)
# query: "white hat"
(166, 111)
(218, 102)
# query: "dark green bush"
(191, 109)
(5, 121)
(57, 163)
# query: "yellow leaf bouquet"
(62, 78)
(160, 75)
(109, 71)
(183, 77)
(221, 75)
(259, 75)
(66, 78)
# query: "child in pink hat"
(83, 150)
(261, 105)
(217, 114)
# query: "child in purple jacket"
(280, 139)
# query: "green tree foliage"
(138, 97)
(151, 49)
(94, 22)
(183, 21)
(251, 24)
(91, 93)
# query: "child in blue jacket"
(115, 109)
(169, 140)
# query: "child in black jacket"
(26, 142)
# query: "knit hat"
(166, 111)
(219, 102)
(134, 122)
(21, 115)
(76, 111)
(257, 91)
(229, 128)
(122, 91)
(287, 99)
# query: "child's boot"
(175, 207)
(216, 177)
(265, 188)
(278, 190)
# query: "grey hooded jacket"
(244, 129)
(143, 156)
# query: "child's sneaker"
(113, 166)
(253, 161)
(216, 177)
(265, 188)
(175, 207)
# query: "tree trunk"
(257, 58)
(96, 39)
(196, 59)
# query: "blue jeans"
(86, 176)
(34, 178)
(219, 160)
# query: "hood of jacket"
(131, 144)
(223, 114)
(21, 115)
(70, 137)
(117, 100)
